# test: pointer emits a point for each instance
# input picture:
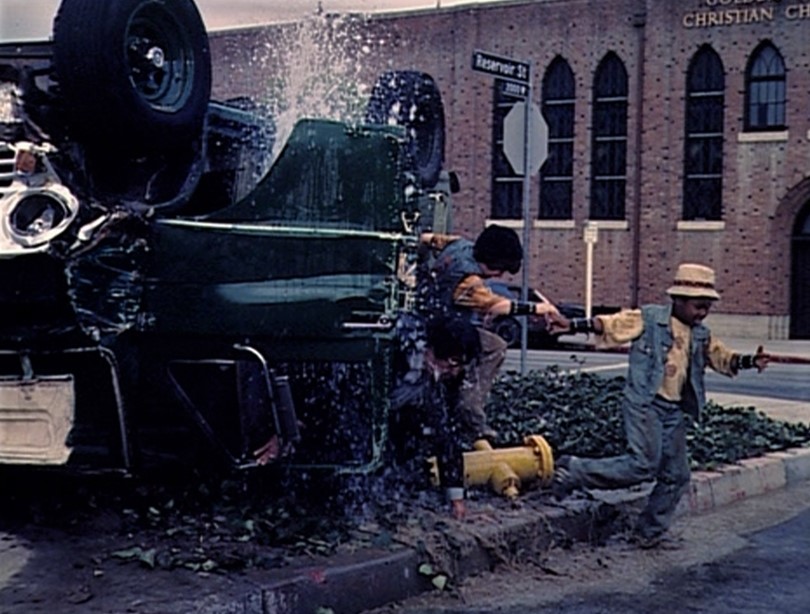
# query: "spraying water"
(319, 65)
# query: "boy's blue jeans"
(656, 439)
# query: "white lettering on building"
(721, 13)
(797, 11)
(731, 17)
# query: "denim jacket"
(453, 264)
(648, 356)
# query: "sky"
(27, 19)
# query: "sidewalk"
(496, 530)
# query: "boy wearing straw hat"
(670, 350)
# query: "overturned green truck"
(167, 288)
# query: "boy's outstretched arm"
(758, 360)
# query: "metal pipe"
(785, 359)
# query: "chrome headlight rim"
(63, 202)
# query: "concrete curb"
(365, 585)
(751, 477)
(378, 579)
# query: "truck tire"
(412, 100)
(132, 73)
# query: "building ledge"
(555, 224)
(779, 136)
(701, 225)
(610, 224)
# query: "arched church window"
(557, 172)
(703, 142)
(765, 89)
(609, 144)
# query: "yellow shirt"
(474, 294)
(625, 326)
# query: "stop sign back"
(514, 133)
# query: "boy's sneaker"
(562, 483)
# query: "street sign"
(513, 89)
(514, 138)
(505, 68)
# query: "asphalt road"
(781, 381)
(768, 575)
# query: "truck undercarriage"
(165, 287)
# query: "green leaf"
(129, 553)
(147, 557)
(209, 565)
(440, 582)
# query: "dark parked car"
(165, 286)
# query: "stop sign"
(513, 138)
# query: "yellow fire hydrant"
(504, 469)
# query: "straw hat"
(694, 281)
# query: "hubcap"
(160, 59)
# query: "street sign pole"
(519, 74)
(527, 221)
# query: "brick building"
(681, 128)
